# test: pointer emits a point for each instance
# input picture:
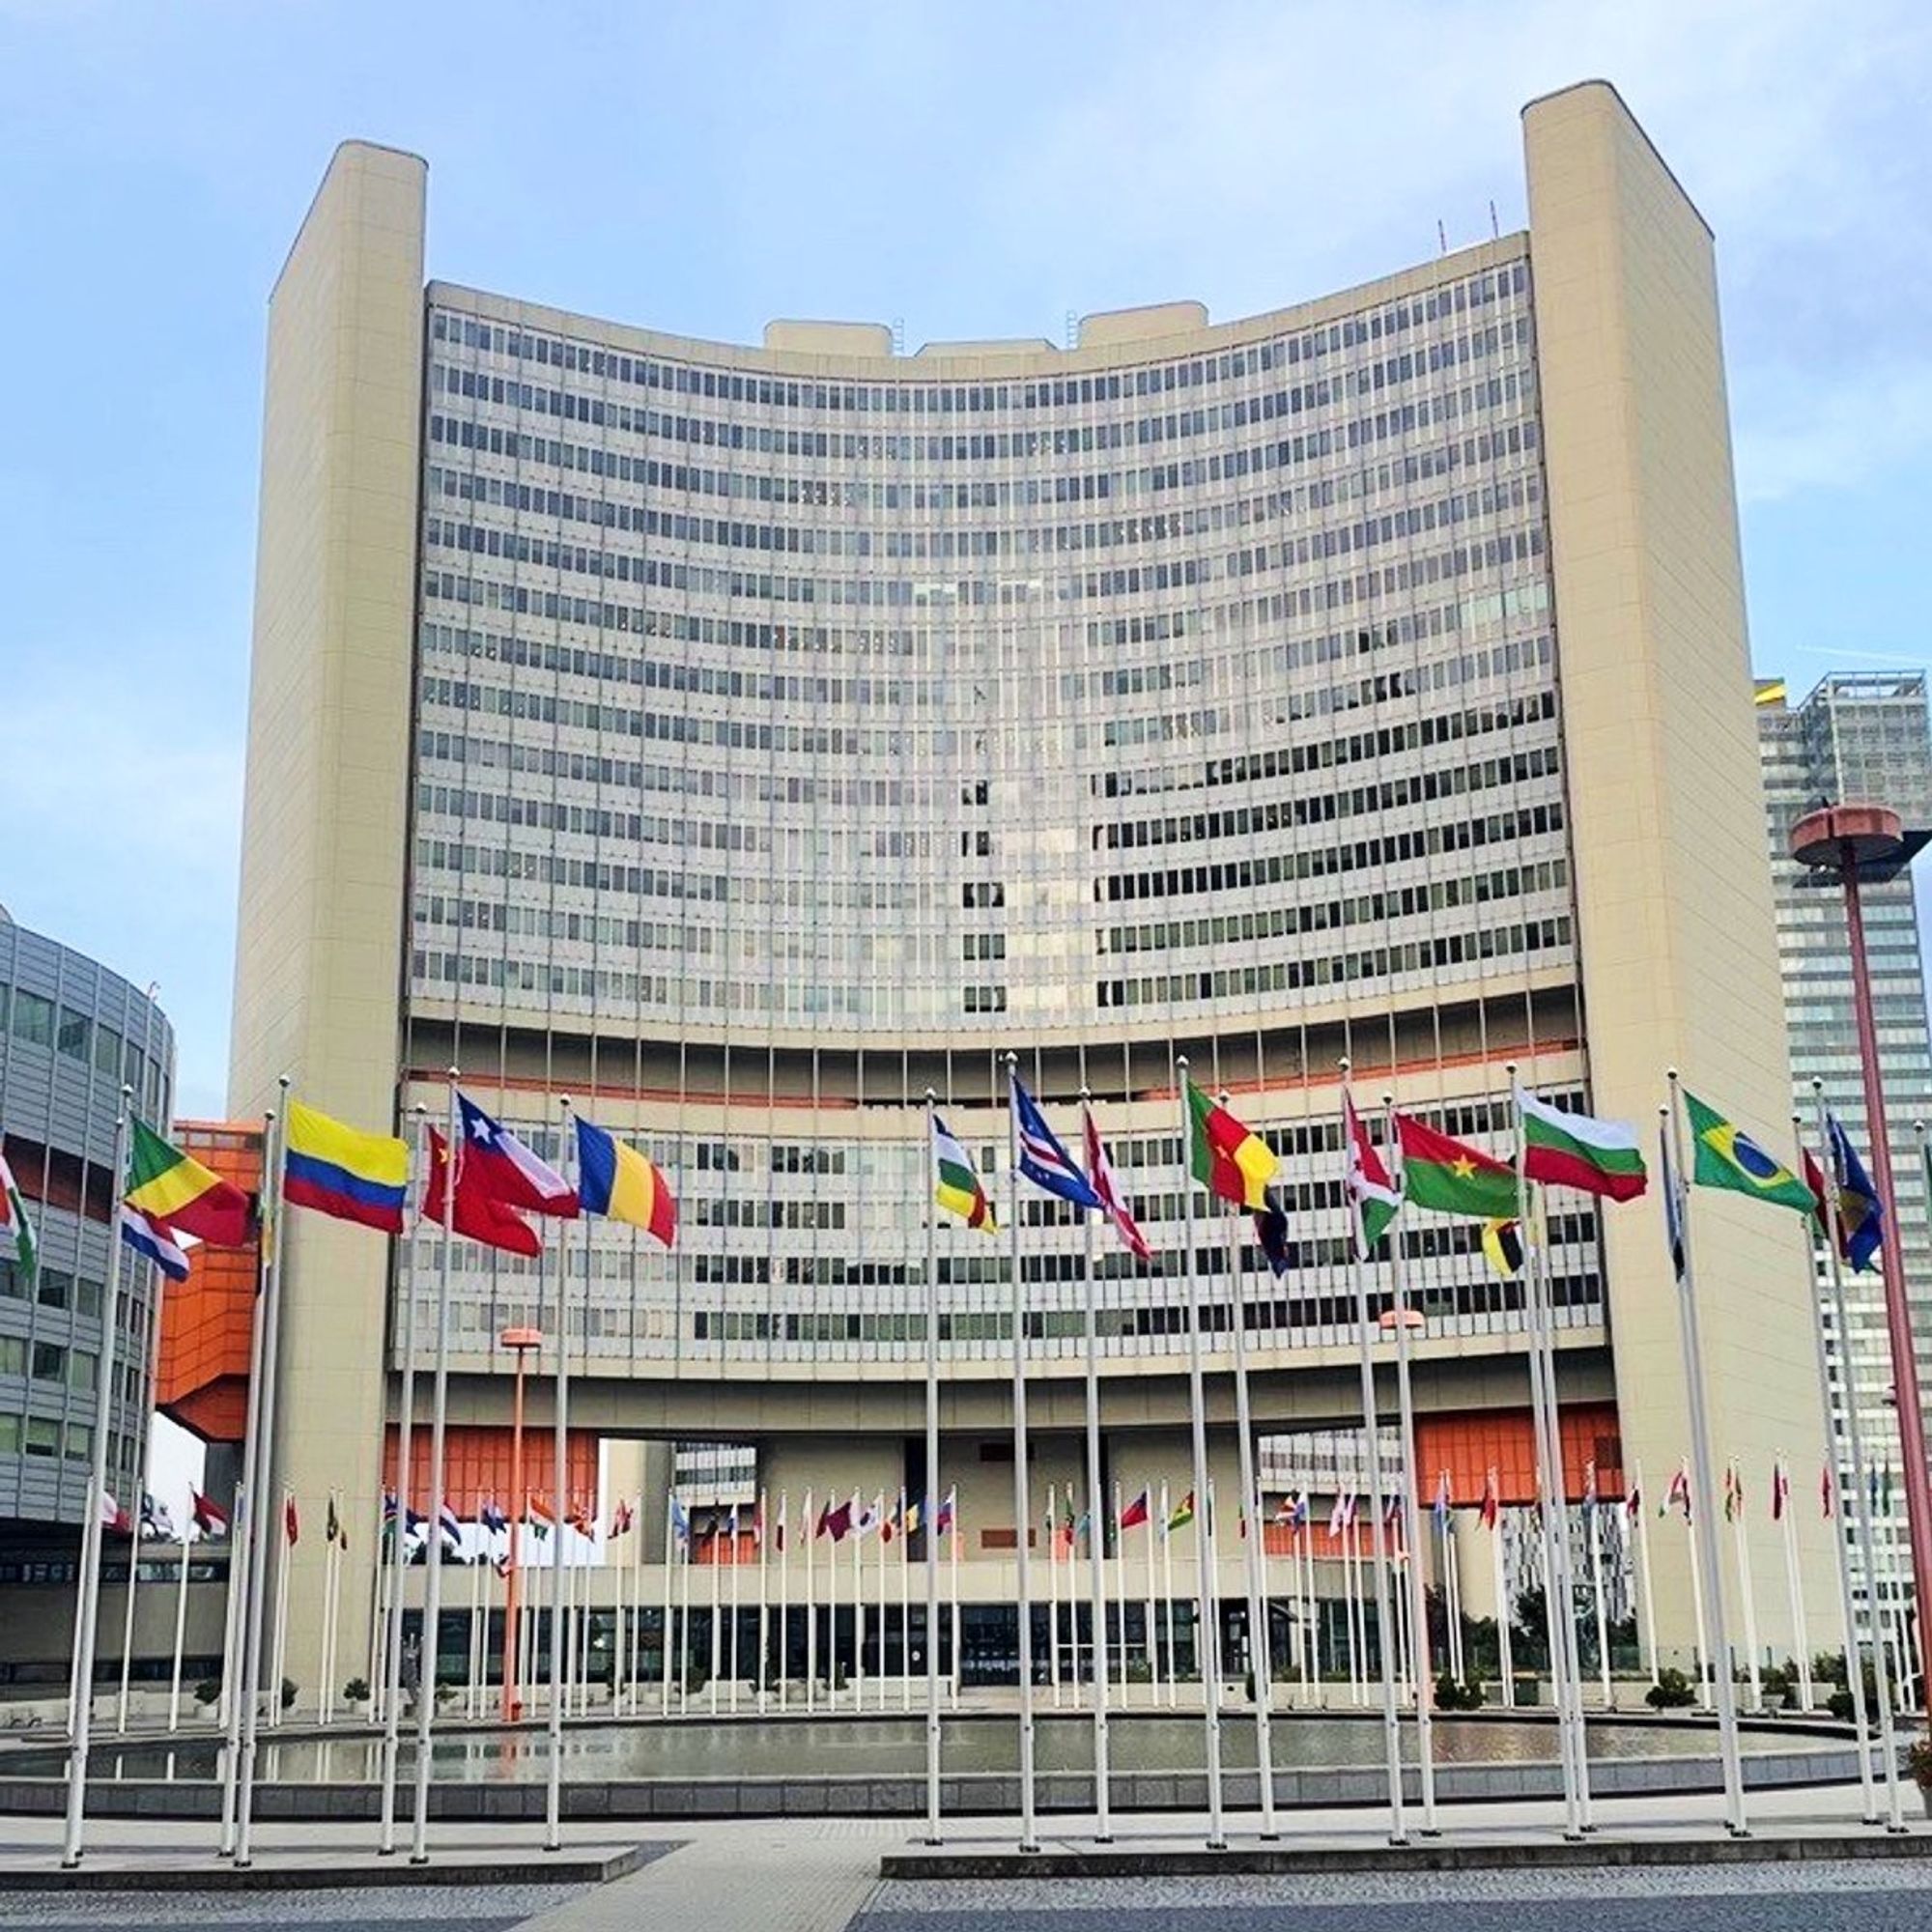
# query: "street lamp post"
(522, 1343)
(1855, 845)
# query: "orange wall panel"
(476, 1466)
(1469, 1445)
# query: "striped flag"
(1043, 1159)
(955, 1184)
(1113, 1202)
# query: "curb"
(352, 1874)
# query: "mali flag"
(616, 1180)
(1229, 1160)
(164, 1185)
(1724, 1155)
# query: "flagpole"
(1700, 1456)
(1358, 1623)
(884, 1618)
(764, 1598)
(811, 1526)
(1197, 1407)
(717, 1633)
(1398, 1832)
(669, 1629)
(1053, 1589)
(181, 1632)
(1596, 1528)
(1861, 1503)
(1559, 1598)
(736, 1669)
(1022, 1507)
(858, 1610)
(1452, 1598)
(1505, 1650)
(231, 1610)
(1800, 1638)
(1167, 1586)
(1706, 1673)
(1121, 1594)
(906, 1607)
(278, 1649)
(929, 1529)
(473, 1688)
(785, 1595)
(153, 1354)
(635, 1627)
(830, 1619)
(1740, 1551)
(952, 1535)
(332, 1590)
(269, 1314)
(559, 1639)
(1097, 1542)
(399, 1524)
(1411, 1518)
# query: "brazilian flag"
(1727, 1156)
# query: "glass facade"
(70, 1033)
(1862, 738)
(794, 734)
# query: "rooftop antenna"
(1071, 337)
(899, 335)
(1495, 227)
(1442, 237)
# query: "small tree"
(1671, 1691)
(290, 1692)
(356, 1690)
(208, 1691)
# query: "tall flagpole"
(429, 1645)
(636, 1626)
(1208, 1607)
(736, 1672)
(269, 1315)
(858, 1609)
(1505, 1657)
(153, 1354)
(905, 1606)
(399, 1524)
(1411, 1515)
(1740, 1548)
(181, 1632)
(1053, 1589)
(87, 1607)
(1643, 1564)
(1166, 1584)
(1097, 1541)
(1800, 1636)
(561, 1509)
(1596, 1529)
(1704, 1529)
(1861, 1495)
(669, 1625)
(809, 1525)
(785, 1595)
(952, 1535)
(1022, 1509)
(1398, 1832)
(762, 1527)
(279, 1651)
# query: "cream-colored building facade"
(742, 740)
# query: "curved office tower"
(743, 740)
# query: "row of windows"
(48, 1362)
(38, 1021)
(40, 1436)
(51, 1288)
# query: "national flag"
(1724, 1155)
(779, 1527)
(1781, 1492)
(291, 1523)
(1341, 1513)
(153, 1242)
(1184, 1513)
(1114, 1203)
(865, 1517)
(618, 1181)
(1860, 1213)
(583, 1517)
(1443, 1501)
(1450, 1177)
(14, 1221)
(112, 1515)
(1734, 1492)
(1043, 1159)
(1590, 1484)
(412, 1519)
(680, 1524)
(1372, 1196)
(502, 1167)
(913, 1516)
(1392, 1509)
(333, 1532)
(209, 1518)
(1272, 1232)
(620, 1519)
(955, 1185)
(477, 1214)
(1814, 1180)
(1298, 1515)
(539, 1513)
(942, 1524)
(1502, 1247)
(341, 1170)
(837, 1523)
(1135, 1515)
(1825, 1490)
(1491, 1509)
(182, 1195)
(449, 1524)
(1230, 1161)
(1632, 1502)
(155, 1521)
(889, 1525)
(491, 1515)
(1578, 1150)
(1679, 1494)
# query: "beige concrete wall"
(1673, 883)
(325, 807)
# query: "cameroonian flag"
(955, 1185)
(1229, 1160)
(1727, 1156)
(182, 1195)
(1576, 1150)
(14, 1221)
(1450, 1178)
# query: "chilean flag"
(496, 1162)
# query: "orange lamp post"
(522, 1343)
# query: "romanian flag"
(616, 1180)
(182, 1194)
(1228, 1160)
(340, 1170)
(955, 1185)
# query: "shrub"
(1671, 1691)
(1918, 1762)
(207, 1691)
(1451, 1695)
(290, 1692)
(356, 1690)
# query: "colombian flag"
(164, 1185)
(614, 1179)
(1228, 1160)
(340, 1170)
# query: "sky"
(978, 170)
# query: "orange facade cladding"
(208, 1320)
(1469, 1445)
(476, 1467)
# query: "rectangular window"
(12, 1355)
(81, 1369)
(55, 1288)
(10, 1435)
(107, 1052)
(42, 1437)
(76, 1034)
(32, 1018)
(80, 1443)
(49, 1362)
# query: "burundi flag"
(1370, 1187)
(1450, 1177)
(955, 1185)
(14, 1221)
(1576, 1150)
(1230, 1161)
(1724, 1155)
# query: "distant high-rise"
(1862, 738)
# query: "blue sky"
(978, 170)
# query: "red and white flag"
(1492, 1502)
(291, 1523)
(1100, 1178)
(1781, 1492)
(495, 1161)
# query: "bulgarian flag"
(14, 1221)
(1369, 1188)
(1576, 1150)
(1451, 1178)
(1231, 1162)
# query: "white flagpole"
(763, 1529)
(87, 1607)
(399, 1525)
(1800, 1638)
(1121, 1597)
(831, 1621)
(1700, 1456)
(153, 1354)
(620, 1630)
(1206, 1581)
(635, 1628)
(1643, 1567)
(1167, 1586)
(737, 1670)
(1452, 1598)
(473, 1700)
(278, 1650)
(952, 1535)
(1312, 1643)
(559, 1635)
(181, 1630)
(1741, 1552)
(1596, 1528)
(717, 1620)
(906, 1608)
(377, 1676)
(884, 1617)
(268, 1313)
(1069, 1648)
(1861, 1496)
(809, 1524)
(929, 1527)
(331, 1631)
(1505, 1651)
(669, 1629)
(785, 1595)
(1053, 1590)
(1022, 1506)
(858, 1610)
(1352, 1581)
(686, 1646)
(1705, 1695)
